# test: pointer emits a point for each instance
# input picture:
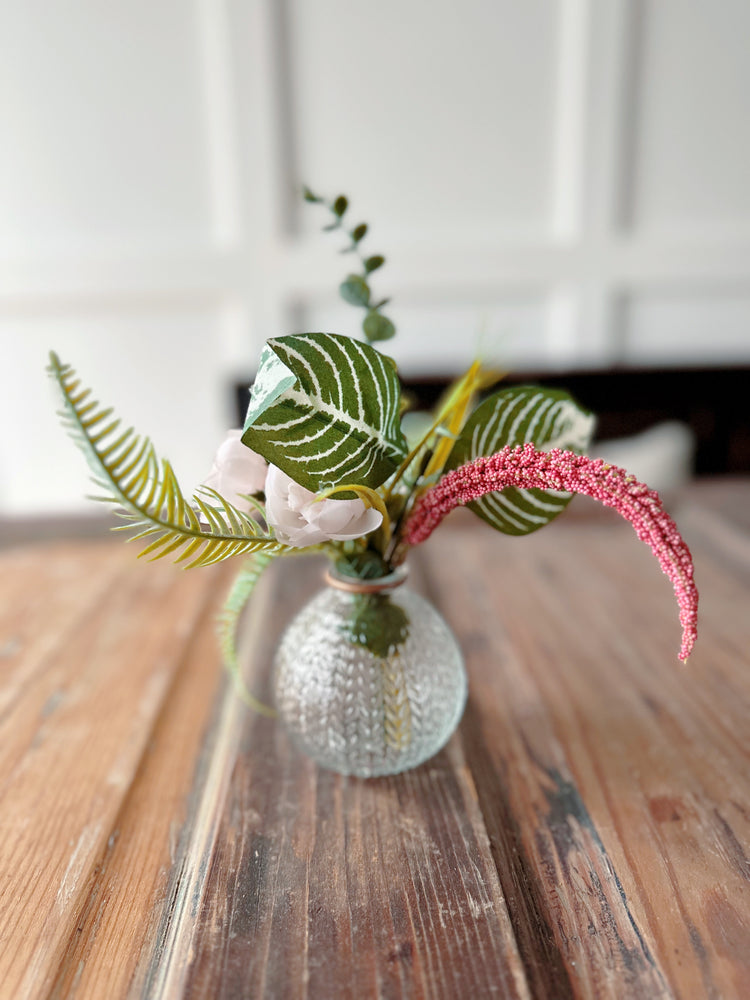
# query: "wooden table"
(583, 835)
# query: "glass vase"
(369, 680)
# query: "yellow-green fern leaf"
(125, 467)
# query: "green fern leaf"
(125, 468)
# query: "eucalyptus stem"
(355, 289)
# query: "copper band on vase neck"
(355, 585)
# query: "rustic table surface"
(583, 835)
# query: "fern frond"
(127, 471)
(238, 596)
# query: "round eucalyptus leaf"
(378, 327)
(374, 262)
(355, 290)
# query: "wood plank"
(109, 947)
(313, 884)
(89, 665)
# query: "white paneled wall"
(690, 173)
(418, 104)
(555, 183)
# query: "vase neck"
(355, 585)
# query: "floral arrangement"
(322, 463)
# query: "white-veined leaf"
(548, 418)
(325, 410)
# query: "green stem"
(375, 325)
(239, 595)
(402, 469)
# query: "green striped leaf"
(325, 410)
(548, 418)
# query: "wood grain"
(625, 774)
(585, 834)
(388, 882)
(110, 950)
(86, 669)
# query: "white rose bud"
(237, 469)
(298, 519)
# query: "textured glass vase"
(369, 680)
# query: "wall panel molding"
(568, 259)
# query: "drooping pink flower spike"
(526, 468)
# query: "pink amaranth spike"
(526, 468)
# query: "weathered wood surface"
(107, 673)
(585, 834)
